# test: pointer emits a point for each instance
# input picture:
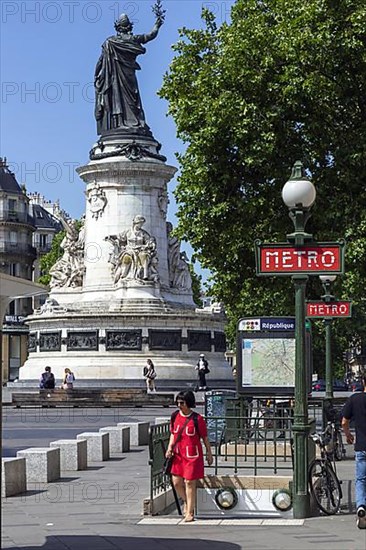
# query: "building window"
(43, 240)
(12, 205)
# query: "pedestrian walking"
(355, 409)
(202, 369)
(149, 374)
(187, 429)
(47, 379)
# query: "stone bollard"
(42, 464)
(73, 454)
(139, 432)
(97, 445)
(119, 438)
(13, 478)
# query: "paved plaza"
(101, 508)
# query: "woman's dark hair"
(188, 397)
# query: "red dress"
(188, 454)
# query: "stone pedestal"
(119, 438)
(105, 323)
(42, 464)
(139, 432)
(97, 445)
(13, 477)
(73, 454)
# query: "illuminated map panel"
(268, 362)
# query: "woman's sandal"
(188, 518)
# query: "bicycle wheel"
(325, 487)
(338, 446)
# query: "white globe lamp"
(298, 191)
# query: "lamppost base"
(301, 508)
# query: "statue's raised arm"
(160, 18)
(118, 107)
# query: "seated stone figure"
(134, 252)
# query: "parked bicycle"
(334, 441)
(324, 484)
(269, 420)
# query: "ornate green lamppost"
(299, 195)
(298, 258)
(327, 298)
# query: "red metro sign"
(286, 259)
(328, 309)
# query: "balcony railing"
(42, 248)
(7, 247)
(15, 217)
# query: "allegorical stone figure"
(182, 275)
(173, 253)
(118, 104)
(134, 255)
(69, 269)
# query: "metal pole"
(301, 498)
(328, 359)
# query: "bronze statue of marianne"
(118, 107)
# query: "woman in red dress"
(188, 455)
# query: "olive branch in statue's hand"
(159, 12)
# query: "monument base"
(100, 345)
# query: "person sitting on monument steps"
(68, 380)
(118, 103)
(47, 379)
(149, 375)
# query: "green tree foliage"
(49, 259)
(196, 286)
(286, 80)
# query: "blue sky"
(49, 50)
(48, 54)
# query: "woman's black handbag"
(167, 466)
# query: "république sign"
(328, 309)
(286, 259)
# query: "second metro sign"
(287, 259)
(328, 309)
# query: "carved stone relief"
(178, 263)
(97, 200)
(163, 201)
(199, 340)
(32, 341)
(50, 306)
(220, 341)
(165, 340)
(50, 341)
(124, 339)
(78, 341)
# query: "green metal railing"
(251, 438)
(158, 441)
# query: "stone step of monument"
(82, 397)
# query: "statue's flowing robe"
(118, 102)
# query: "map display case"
(266, 356)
